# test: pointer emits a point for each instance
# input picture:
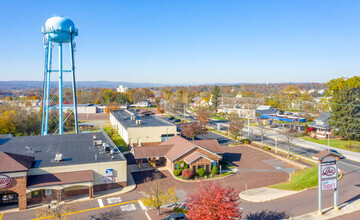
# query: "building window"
(201, 166)
(48, 192)
(36, 194)
(165, 137)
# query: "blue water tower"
(58, 31)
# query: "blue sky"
(186, 41)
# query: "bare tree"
(262, 130)
(289, 136)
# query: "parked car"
(336, 152)
(177, 120)
(177, 216)
(171, 118)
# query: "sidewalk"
(330, 213)
(264, 194)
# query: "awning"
(60, 179)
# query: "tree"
(262, 130)
(156, 195)
(289, 136)
(191, 130)
(203, 116)
(213, 200)
(215, 94)
(235, 127)
(344, 96)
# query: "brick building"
(198, 154)
(36, 168)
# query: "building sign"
(328, 184)
(109, 172)
(328, 171)
(5, 181)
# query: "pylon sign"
(328, 176)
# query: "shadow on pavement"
(267, 215)
(140, 177)
(113, 214)
(232, 157)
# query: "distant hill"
(14, 85)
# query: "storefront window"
(35, 194)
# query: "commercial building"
(34, 168)
(137, 128)
(198, 154)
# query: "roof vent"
(133, 118)
(29, 150)
(138, 122)
(58, 157)
(96, 157)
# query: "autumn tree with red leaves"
(213, 200)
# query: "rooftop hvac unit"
(97, 142)
(138, 122)
(58, 157)
(125, 118)
(94, 137)
(133, 118)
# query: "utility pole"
(249, 121)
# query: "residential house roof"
(321, 122)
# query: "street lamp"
(328, 134)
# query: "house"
(198, 153)
(34, 168)
(265, 110)
(320, 127)
(199, 103)
(137, 128)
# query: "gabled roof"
(325, 153)
(175, 147)
(10, 162)
(211, 145)
(194, 156)
(322, 121)
(151, 151)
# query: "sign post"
(328, 176)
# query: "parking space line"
(142, 205)
(1, 215)
(101, 204)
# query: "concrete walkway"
(265, 194)
(330, 213)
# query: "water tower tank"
(60, 28)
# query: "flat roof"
(75, 149)
(147, 121)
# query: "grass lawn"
(301, 179)
(116, 138)
(333, 143)
(220, 118)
